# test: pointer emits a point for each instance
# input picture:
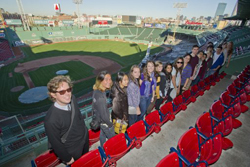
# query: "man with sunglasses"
(58, 121)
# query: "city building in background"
(220, 9)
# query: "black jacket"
(120, 102)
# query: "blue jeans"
(132, 118)
(106, 133)
(144, 103)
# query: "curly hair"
(54, 83)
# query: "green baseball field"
(104, 53)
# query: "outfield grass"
(76, 70)
(122, 52)
(125, 54)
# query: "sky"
(145, 8)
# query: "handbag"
(95, 123)
(120, 126)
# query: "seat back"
(115, 145)
(225, 98)
(47, 159)
(208, 126)
(195, 91)
(232, 90)
(171, 160)
(137, 130)
(217, 109)
(239, 84)
(189, 146)
(243, 97)
(186, 95)
(90, 159)
(204, 124)
(208, 80)
(93, 137)
(167, 108)
(152, 118)
(201, 84)
(178, 100)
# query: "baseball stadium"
(30, 58)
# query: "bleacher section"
(5, 51)
(240, 36)
(125, 31)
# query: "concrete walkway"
(157, 146)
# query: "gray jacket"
(100, 108)
(134, 95)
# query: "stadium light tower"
(23, 17)
(179, 6)
(78, 2)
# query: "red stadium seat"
(93, 137)
(178, 104)
(222, 75)
(116, 147)
(209, 81)
(241, 94)
(90, 159)
(166, 112)
(47, 159)
(247, 90)
(139, 131)
(173, 160)
(202, 86)
(208, 126)
(217, 110)
(215, 77)
(187, 97)
(196, 92)
(153, 118)
(188, 145)
(229, 104)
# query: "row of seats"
(5, 50)
(120, 144)
(202, 145)
(242, 50)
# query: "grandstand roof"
(243, 11)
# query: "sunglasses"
(179, 62)
(62, 92)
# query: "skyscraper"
(220, 9)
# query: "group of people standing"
(132, 95)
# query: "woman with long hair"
(120, 98)
(196, 77)
(133, 92)
(168, 71)
(147, 89)
(186, 73)
(229, 52)
(161, 83)
(99, 106)
(176, 78)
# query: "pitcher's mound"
(17, 89)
